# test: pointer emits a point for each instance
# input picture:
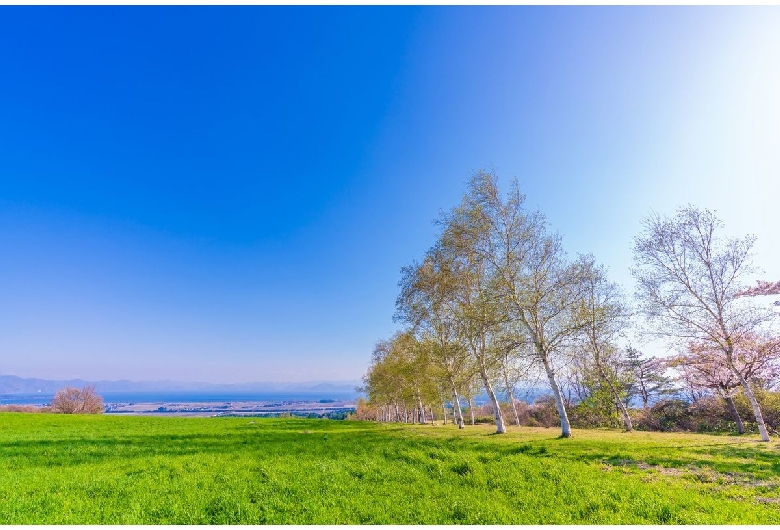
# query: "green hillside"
(59, 469)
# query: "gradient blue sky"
(228, 194)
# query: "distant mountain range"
(11, 384)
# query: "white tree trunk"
(627, 423)
(565, 426)
(500, 427)
(511, 397)
(421, 408)
(457, 411)
(752, 399)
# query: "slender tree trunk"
(751, 398)
(397, 413)
(618, 402)
(645, 394)
(734, 413)
(444, 412)
(457, 412)
(500, 427)
(565, 426)
(511, 397)
(627, 423)
(422, 409)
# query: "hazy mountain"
(11, 384)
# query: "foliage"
(756, 359)
(647, 380)
(597, 410)
(496, 302)
(770, 406)
(710, 414)
(762, 288)
(544, 412)
(497, 286)
(668, 415)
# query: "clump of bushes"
(705, 414)
(23, 408)
(666, 415)
(708, 414)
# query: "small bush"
(710, 414)
(667, 415)
(74, 401)
(544, 412)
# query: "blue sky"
(228, 194)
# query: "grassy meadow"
(61, 469)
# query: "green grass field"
(57, 469)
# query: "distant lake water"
(182, 397)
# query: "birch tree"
(427, 302)
(538, 286)
(477, 309)
(689, 285)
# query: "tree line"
(497, 303)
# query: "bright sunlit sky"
(228, 194)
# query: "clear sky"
(228, 194)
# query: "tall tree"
(688, 286)
(539, 288)
(478, 309)
(428, 302)
(605, 317)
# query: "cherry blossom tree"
(689, 287)
(756, 358)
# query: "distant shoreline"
(322, 407)
(193, 404)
